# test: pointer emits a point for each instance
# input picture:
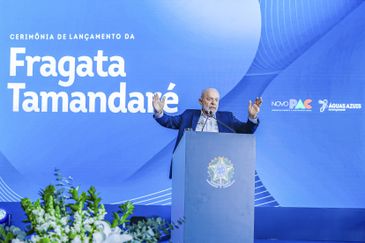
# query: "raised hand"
(254, 109)
(158, 103)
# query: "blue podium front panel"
(213, 188)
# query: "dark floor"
(295, 241)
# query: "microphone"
(206, 119)
(222, 123)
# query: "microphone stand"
(206, 119)
(222, 123)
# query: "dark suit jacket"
(189, 119)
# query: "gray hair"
(208, 89)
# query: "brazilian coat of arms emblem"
(220, 172)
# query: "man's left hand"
(254, 109)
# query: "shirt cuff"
(158, 115)
(253, 120)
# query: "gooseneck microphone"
(222, 123)
(206, 119)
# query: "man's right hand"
(158, 103)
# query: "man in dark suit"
(208, 119)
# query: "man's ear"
(200, 101)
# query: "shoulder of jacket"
(225, 112)
(191, 111)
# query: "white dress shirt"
(206, 124)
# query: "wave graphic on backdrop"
(7, 194)
(9, 175)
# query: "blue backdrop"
(305, 58)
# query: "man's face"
(210, 100)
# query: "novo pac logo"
(291, 105)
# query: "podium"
(213, 188)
